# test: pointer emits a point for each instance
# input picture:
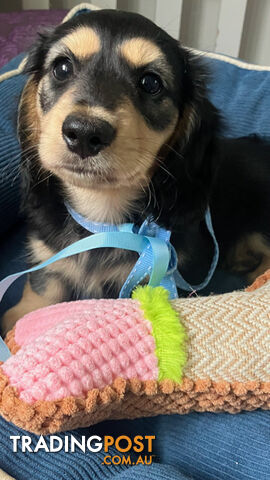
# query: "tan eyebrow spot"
(82, 42)
(140, 51)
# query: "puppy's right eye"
(63, 69)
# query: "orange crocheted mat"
(132, 399)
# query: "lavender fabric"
(19, 29)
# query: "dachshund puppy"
(115, 120)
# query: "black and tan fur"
(166, 159)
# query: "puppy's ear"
(28, 122)
(200, 121)
(38, 52)
(188, 155)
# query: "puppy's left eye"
(151, 83)
(63, 69)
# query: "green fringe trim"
(168, 331)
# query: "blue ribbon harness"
(157, 257)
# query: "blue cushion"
(13, 259)
(242, 93)
(10, 90)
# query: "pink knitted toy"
(75, 364)
(71, 348)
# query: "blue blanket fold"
(201, 446)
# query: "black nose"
(87, 136)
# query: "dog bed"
(230, 91)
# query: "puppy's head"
(109, 95)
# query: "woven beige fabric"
(229, 336)
(5, 476)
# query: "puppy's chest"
(100, 272)
(104, 271)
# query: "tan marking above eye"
(140, 51)
(83, 42)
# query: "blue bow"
(157, 257)
(158, 252)
(157, 260)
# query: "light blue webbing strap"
(4, 351)
(181, 282)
